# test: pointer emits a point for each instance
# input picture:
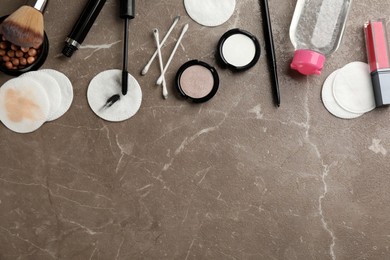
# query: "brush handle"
(125, 73)
(267, 28)
(126, 12)
(40, 5)
(86, 20)
(127, 9)
(82, 26)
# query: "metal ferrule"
(40, 5)
(73, 42)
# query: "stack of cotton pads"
(348, 93)
(30, 100)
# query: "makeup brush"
(126, 12)
(24, 27)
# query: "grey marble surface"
(234, 178)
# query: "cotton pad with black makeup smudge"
(105, 85)
(24, 105)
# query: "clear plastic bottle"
(316, 30)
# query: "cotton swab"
(160, 79)
(164, 84)
(147, 66)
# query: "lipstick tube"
(379, 60)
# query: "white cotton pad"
(66, 89)
(331, 104)
(352, 88)
(51, 87)
(210, 12)
(24, 105)
(105, 85)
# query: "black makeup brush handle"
(126, 12)
(87, 18)
(125, 75)
(127, 9)
(82, 26)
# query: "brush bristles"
(24, 27)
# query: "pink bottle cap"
(308, 62)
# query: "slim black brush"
(127, 9)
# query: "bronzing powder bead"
(15, 57)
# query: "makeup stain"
(19, 107)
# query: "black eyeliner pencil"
(267, 28)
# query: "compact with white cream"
(238, 50)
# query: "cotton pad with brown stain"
(21, 107)
(24, 105)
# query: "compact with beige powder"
(197, 81)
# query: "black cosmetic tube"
(82, 26)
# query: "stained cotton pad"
(51, 87)
(105, 85)
(210, 12)
(24, 105)
(352, 88)
(66, 89)
(331, 104)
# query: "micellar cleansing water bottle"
(316, 31)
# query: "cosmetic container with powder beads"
(316, 31)
(28, 59)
